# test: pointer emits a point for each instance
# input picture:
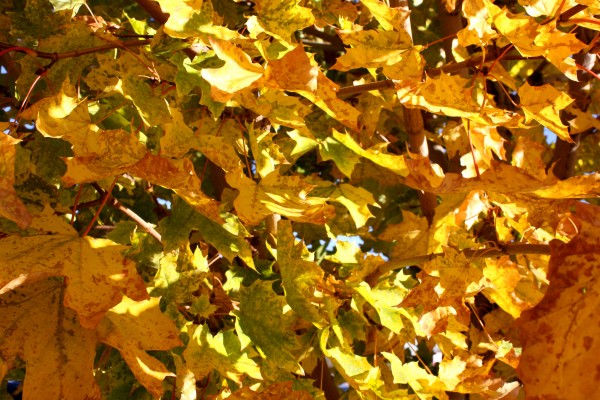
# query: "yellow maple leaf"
(95, 271)
(453, 95)
(194, 18)
(135, 327)
(410, 236)
(389, 18)
(283, 17)
(505, 277)
(372, 48)
(543, 103)
(295, 72)
(479, 28)
(562, 330)
(410, 67)
(11, 206)
(537, 8)
(277, 194)
(239, 72)
(377, 154)
(60, 352)
(556, 46)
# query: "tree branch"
(136, 218)
(507, 249)
(69, 54)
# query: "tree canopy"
(300, 199)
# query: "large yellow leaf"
(543, 103)
(96, 274)
(135, 327)
(356, 200)
(239, 72)
(11, 206)
(389, 18)
(295, 72)
(282, 18)
(277, 194)
(377, 154)
(556, 46)
(479, 29)
(537, 8)
(453, 95)
(560, 335)
(372, 49)
(178, 175)
(195, 18)
(59, 353)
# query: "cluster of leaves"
(300, 198)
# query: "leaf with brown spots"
(96, 274)
(561, 335)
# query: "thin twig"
(73, 53)
(136, 218)
(104, 200)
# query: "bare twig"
(97, 214)
(136, 218)
(74, 53)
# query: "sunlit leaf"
(96, 273)
(564, 319)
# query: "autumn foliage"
(297, 199)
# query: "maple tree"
(300, 199)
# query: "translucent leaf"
(376, 154)
(239, 72)
(96, 272)
(295, 72)
(222, 352)
(389, 18)
(344, 158)
(277, 194)
(372, 49)
(135, 327)
(543, 103)
(283, 18)
(356, 200)
(426, 385)
(565, 320)
(11, 206)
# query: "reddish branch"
(136, 218)
(74, 53)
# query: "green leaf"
(301, 278)
(426, 386)
(268, 321)
(222, 352)
(342, 156)
(228, 239)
